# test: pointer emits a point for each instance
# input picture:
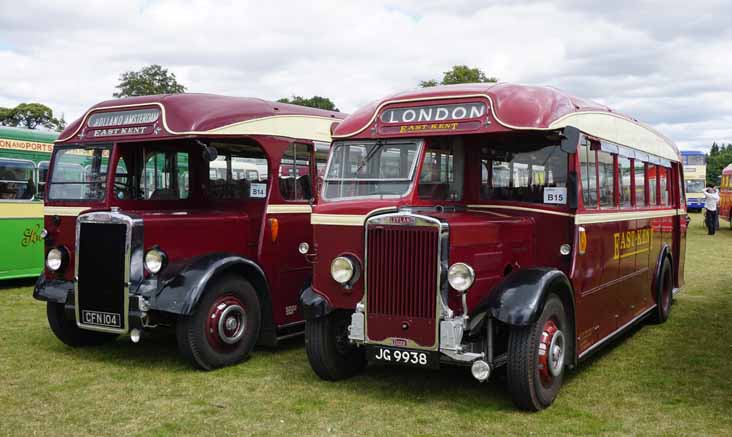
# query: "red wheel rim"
(226, 323)
(551, 353)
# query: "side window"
(663, 179)
(240, 172)
(442, 171)
(322, 150)
(295, 180)
(625, 182)
(589, 176)
(42, 177)
(606, 173)
(640, 183)
(651, 176)
(17, 179)
(162, 178)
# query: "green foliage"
(312, 102)
(30, 116)
(719, 157)
(460, 74)
(152, 79)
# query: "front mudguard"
(313, 305)
(52, 290)
(519, 298)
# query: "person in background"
(711, 198)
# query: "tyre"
(224, 326)
(331, 355)
(537, 354)
(664, 293)
(70, 334)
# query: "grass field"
(674, 378)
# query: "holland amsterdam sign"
(432, 113)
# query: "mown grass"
(671, 379)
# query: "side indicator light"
(274, 228)
(582, 237)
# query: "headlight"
(460, 276)
(54, 259)
(341, 269)
(155, 260)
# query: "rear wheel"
(330, 353)
(70, 334)
(536, 357)
(224, 326)
(664, 292)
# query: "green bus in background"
(24, 159)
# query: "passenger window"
(522, 176)
(295, 181)
(625, 182)
(239, 172)
(606, 173)
(442, 171)
(663, 176)
(322, 150)
(640, 183)
(42, 177)
(589, 176)
(17, 179)
(651, 175)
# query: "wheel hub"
(226, 323)
(552, 347)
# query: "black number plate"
(403, 356)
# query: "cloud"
(653, 60)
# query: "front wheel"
(70, 334)
(224, 325)
(537, 354)
(330, 353)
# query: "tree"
(460, 74)
(312, 102)
(152, 79)
(29, 116)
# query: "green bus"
(24, 159)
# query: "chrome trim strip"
(617, 331)
(619, 216)
(521, 208)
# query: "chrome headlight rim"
(155, 260)
(460, 276)
(56, 259)
(342, 269)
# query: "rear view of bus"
(695, 176)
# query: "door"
(680, 224)
(288, 225)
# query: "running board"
(615, 334)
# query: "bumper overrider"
(109, 292)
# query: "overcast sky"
(666, 63)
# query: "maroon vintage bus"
(182, 210)
(490, 226)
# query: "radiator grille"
(402, 271)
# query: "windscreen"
(694, 186)
(79, 173)
(370, 170)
